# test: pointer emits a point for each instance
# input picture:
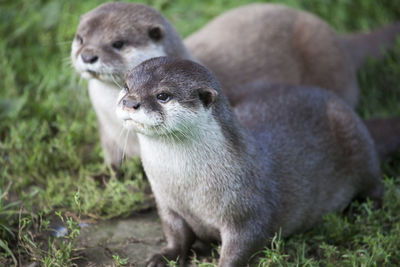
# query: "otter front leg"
(179, 239)
(238, 245)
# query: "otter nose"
(131, 104)
(89, 58)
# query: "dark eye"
(79, 39)
(126, 89)
(155, 33)
(118, 44)
(163, 97)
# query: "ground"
(52, 173)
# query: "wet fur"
(301, 154)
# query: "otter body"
(266, 42)
(303, 153)
(278, 45)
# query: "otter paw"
(157, 260)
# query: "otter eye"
(126, 89)
(118, 44)
(155, 33)
(79, 39)
(163, 97)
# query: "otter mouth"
(90, 74)
(93, 73)
(129, 123)
(139, 127)
(113, 78)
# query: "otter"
(268, 42)
(303, 153)
(106, 45)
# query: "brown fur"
(276, 44)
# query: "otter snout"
(130, 104)
(89, 57)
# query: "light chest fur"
(197, 170)
(104, 97)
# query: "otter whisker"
(80, 81)
(64, 43)
(115, 81)
(126, 142)
(123, 129)
(174, 135)
(67, 62)
(184, 134)
(188, 131)
(79, 93)
(67, 58)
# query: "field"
(51, 164)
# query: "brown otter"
(304, 153)
(267, 42)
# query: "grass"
(50, 157)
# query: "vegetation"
(51, 160)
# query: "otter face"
(162, 97)
(114, 38)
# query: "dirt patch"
(135, 238)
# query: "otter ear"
(155, 33)
(208, 96)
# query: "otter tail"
(372, 44)
(386, 135)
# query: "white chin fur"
(133, 125)
(140, 127)
(86, 75)
(139, 121)
(122, 114)
(135, 56)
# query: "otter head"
(114, 37)
(167, 97)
